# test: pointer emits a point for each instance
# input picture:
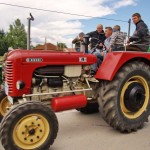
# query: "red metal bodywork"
(19, 68)
(115, 60)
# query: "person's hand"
(104, 47)
(102, 53)
(101, 44)
(128, 42)
(110, 50)
(81, 38)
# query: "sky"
(59, 27)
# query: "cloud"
(57, 27)
(123, 3)
(56, 31)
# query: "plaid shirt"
(117, 38)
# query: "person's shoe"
(92, 79)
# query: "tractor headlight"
(20, 85)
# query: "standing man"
(78, 42)
(97, 36)
(140, 37)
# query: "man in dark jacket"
(141, 37)
(97, 37)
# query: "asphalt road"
(89, 132)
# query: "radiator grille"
(9, 75)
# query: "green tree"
(61, 46)
(32, 47)
(3, 49)
(3, 42)
(17, 36)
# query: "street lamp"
(31, 18)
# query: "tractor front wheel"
(125, 101)
(30, 125)
(4, 104)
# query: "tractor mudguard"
(115, 60)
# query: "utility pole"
(129, 22)
(31, 18)
(45, 44)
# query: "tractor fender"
(113, 62)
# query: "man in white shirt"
(108, 33)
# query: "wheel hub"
(30, 130)
(134, 97)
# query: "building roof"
(46, 46)
(52, 47)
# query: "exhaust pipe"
(68, 102)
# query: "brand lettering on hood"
(34, 59)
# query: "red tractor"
(40, 83)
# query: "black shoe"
(93, 72)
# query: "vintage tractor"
(40, 83)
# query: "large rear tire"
(4, 104)
(30, 125)
(125, 101)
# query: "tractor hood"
(51, 58)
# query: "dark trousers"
(118, 47)
(136, 48)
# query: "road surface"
(89, 132)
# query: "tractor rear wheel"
(125, 101)
(4, 104)
(30, 125)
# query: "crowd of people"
(113, 39)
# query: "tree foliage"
(3, 42)
(61, 45)
(17, 36)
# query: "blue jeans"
(97, 53)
